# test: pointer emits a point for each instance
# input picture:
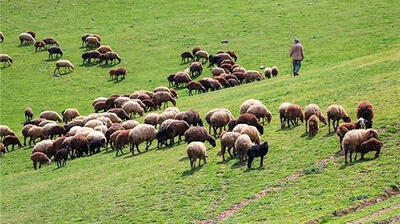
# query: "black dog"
(257, 151)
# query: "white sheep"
(151, 119)
(248, 103)
(50, 115)
(84, 131)
(260, 111)
(354, 138)
(96, 136)
(130, 124)
(196, 150)
(101, 128)
(26, 38)
(132, 108)
(4, 131)
(242, 144)
(251, 131)
(42, 146)
(93, 123)
(141, 133)
(228, 140)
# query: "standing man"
(297, 55)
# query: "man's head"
(297, 40)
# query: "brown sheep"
(240, 76)
(92, 42)
(11, 140)
(63, 63)
(39, 45)
(232, 54)
(192, 117)
(228, 140)
(41, 158)
(336, 113)
(181, 78)
(120, 113)
(100, 106)
(193, 85)
(78, 145)
(366, 111)
(252, 76)
(274, 71)
(50, 41)
(25, 130)
(196, 150)
(116, 72)
(186, 57)
(313, 109)
(104, 49)
(6, 59)
(199, 134)
(370, 145)
(222, 81)
(313, 125)
(226, 67)
(247, 118)
(28, 113)
(177, 128)
(69, 114)
(268, 72)
(110, 56)
(26, 38)
(173, 93)
(219, 120)
(197, 68)
(196, 49)
(294, 113)
(353, 140)
(345, 127)
(160, 98)
(121, 141)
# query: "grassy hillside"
(351, 55)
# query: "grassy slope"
(349, 58)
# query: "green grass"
(351, 55)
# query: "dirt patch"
(395, 219)
(375, 214)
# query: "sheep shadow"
(25, 45)
(226, 160)
(191, 171)
(57, 168)
(253, 169)
(306, 136)
(88, 64)
(52, 59)
(130, 155)
(329, 134)
(344, 166)
(118, 80)
(238, 164)
(4, 66)
(62, 73)
(184, 158)
(107, 65)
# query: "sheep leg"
(34, 165)
(351, 157)
(306, 125)
(250, 161)
(262, 161)
(137, 148)
(199, 162)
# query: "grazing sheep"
(242, 144)
(101, 128)
(249, 130)
(345, 127)
(181, 78)
(5, 58)
(39, 45)
(240, 76)
(43, 123)
(257, 151)
(11, 140)
(92, 42)
(199, 134)
(65, 64)
(247, 118)
(41, 158)
(261, 112)
(85, 131)
(313, 109)
(293, 114)
(95, 145)
(197, 68)
(110, 56)
(171, 80)
(2, 149)
(61, 157)
(69, 114)
(196, 49)
(132, 108)
(50, 115)
(116, 72)
(160, 98)
(227, 67)
(26, 38)
(192, 117)
(207, 84)
(247, 104)
(372, 144)
(354, 138)
(232, 54)
(28, 113)
(1, 37)
(111, 130)
(313, 125)
(335, 113)
(151, 119)
(366, 111)
(229, 77)
(252, 76)
(222, 81)
(274, 71)
(35, 133)
(268, 72)
(119, 139)
(54, 50)
(177, 128)
(58, 143)
(141, 133)
(42, 146)
(222, 56)
(32, 33)
(282, 113)
(120, 113)
(50, 41)
(238, 68)
(167, 122)
(228, 140)
(25, 130)
(196, 150)
(78, 145)
(51, 130)
(201, 54)
(93, 123)
(121, 100)
(104, 49)
(96, 136)
(216, 71)
(87, 56)
(100, 106)
(193, 85)
(211, 112)
(173, 93)
(99, 99)
(113, 116)
(186, 57)
(162, 89)
(130, 124)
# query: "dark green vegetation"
(351, 55)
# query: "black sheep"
(257, 151)
(95, 144)
(214, 60)
(87, 56)
(186, 55)
(61, 156)
(54, 50)
(162, 137)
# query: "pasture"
(351, 54)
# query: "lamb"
(151, 119)
(69, 114)
(95, 145)
(116, 72)
(35, 133)
(132, 108)
(193, 85)
(335, 113)
(39, 45)
(372, 144)
(366, 111)
(197, 68)
(345, 127)
(282, 113)
(61, 157)
(54, 50)
(261, 112)
(199, 134)
(41, 158)
(50, 41)
(87, 56)
(5, 130)
(130, 124)
(65, 64)
(192, 117)
(293, 114)
(274, 71)
(120, 113)
(42, 146)
(50, 115)
(201, 54)
(110, 56)
(247, 118)
(92, 42)
(186, 57)
(354, 138)
(257, 151)
(252, 76)
(104, 49)
(313, 125)
(228, 140)
(268, 72)
(25, 130)
(196, 150)
(6, 59)
(141, 133)
(216, 71)
(313, 109)
(249, 130)
(181, 78)
(11, 140)
(177, 128)
(242, 144)
(78, 145)
(160, 98)
(26, 38)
